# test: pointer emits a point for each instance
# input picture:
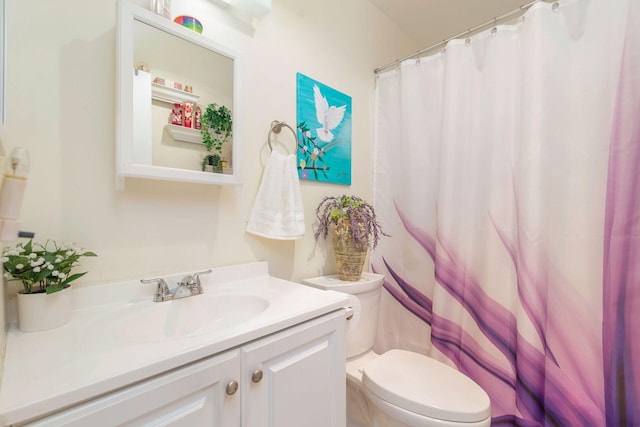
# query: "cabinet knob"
(257, 375)
(232, 387)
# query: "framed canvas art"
(324, 132)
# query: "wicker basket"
(350, 256)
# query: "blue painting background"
(318, 160)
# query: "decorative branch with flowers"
(311, 153)
(43, 267)
(352, 218)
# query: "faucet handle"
(196, 280)
(162, 291)
(196, 276)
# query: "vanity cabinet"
(294, 377)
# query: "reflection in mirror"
(198, 76)
(169, 75)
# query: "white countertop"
(46, 371)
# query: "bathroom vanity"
(252, 350)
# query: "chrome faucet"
(188, 286)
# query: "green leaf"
(72, 278)
(53, 289)
(43, 274)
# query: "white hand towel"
(277, 211)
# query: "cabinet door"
(296, 377)
(192, 396)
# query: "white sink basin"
(158, 321)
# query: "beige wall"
(61, 92)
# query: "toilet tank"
(364, 295)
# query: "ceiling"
(431, 21)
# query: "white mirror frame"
(125, 166)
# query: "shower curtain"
(508, 176)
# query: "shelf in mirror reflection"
(181, 133)
(171, 95)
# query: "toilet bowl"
(399, 388)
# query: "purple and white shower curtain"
(508, 175)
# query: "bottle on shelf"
(187, 108)
(197, 114)
(177, 114)
(162, 8)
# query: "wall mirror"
(166, 73)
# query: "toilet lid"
(425, 386)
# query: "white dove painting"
(324, 132)
(329, 116)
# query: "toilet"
(399, 388)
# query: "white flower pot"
(41, 312)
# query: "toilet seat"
(425, 387)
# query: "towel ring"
(276, 127)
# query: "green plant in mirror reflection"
(216, 128)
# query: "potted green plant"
(216, 124)
(45, 271)
(355, 229)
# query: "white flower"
(69, 253)
(58, 260)
(7, 275)
(32, 255)
(49, 266)
(19, 266)
(36, 269)
(55, 273)
(5, 258)
(37, 262)
(62, 276)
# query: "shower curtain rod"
(519, 10)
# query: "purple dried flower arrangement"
(363, 225)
